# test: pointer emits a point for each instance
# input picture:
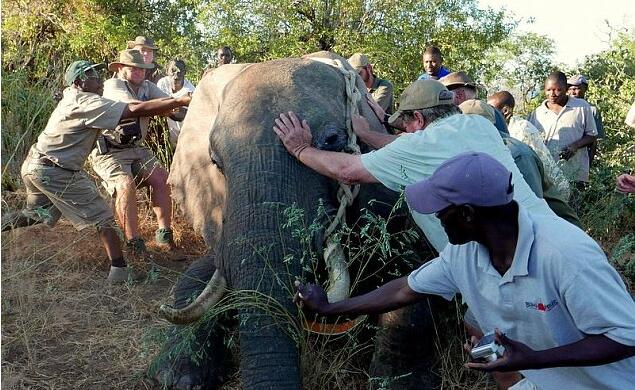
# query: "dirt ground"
(63, 326)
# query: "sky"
(577, 27)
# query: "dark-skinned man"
(568, 127)
(55, 182)
(542, 285)
(578, 86)
(432, 60)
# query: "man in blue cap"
(52, 172)
(527, 277)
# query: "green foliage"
(393, 34)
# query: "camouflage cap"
(130, 57)
(422, 94)
(358, 61)
(142, 41)
(78, 69)
(478, 107)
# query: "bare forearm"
(343, 167)
(584, 141)
(591, 351)
(153, 107)
(374, 139)
(391, 296)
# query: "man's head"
(423, 102)
(145, 46)
(432, 60)
(478, 107)
(504, 102)
(176, 73)
(577, 86)
(462, 86)
(362, 66)
(556, 88)
(461, 192)
(83, 75)
(224, 55)
(130, 66)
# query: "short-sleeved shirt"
(442, 73)
(560, 130)
(74, 125)
(165, 85)
(559, 289)
(382, 92)
(121, 90)
(412, 157)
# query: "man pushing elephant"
(435, 130)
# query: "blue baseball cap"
(468, 178)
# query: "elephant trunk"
(195, 310)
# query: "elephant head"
(229, 174)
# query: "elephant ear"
(194, 168)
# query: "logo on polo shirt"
(539, 306)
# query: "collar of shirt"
(520, 263)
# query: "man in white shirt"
(528, 277)
(175, 84)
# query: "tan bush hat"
(422, 94)
(142, 41)
(130, 57)
(358, 61)
(458, 79)
(478, 107)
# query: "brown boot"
(164, 238)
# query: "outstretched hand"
(310, 297)
(295, 135)
(517, 356)
(626, 183)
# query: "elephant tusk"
(339, 279)
(195, 310)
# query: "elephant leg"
(192, 357)
(405, 352)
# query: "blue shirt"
(442, 73)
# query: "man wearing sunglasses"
(52, 172)
(527, 277)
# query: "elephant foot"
(183, 375)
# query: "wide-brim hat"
(458, 79)
(142, 41)
(130, 57)
(422, 94)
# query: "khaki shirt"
(120, 90)
(74, 125)
(382, 92)
(560, 130)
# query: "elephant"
(229, 175)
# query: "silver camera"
(487, 349)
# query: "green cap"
(422, 94)
(78, 69)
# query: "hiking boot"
(164, 238)
(120, 275)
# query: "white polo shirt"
(415, 156)
(559, 289)
(560, 130)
